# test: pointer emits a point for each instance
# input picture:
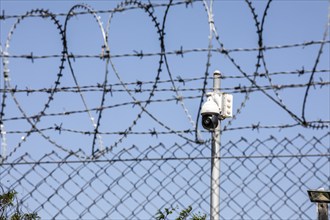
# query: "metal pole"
(322, 211)
(215, 160)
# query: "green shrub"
(10, 210)
(185, 214)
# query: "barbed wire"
(111, 88)
(120, 8)
(160, 29)
(43, 13)
(59, 128)
(325, 34)
(179, 79)
(179, 52)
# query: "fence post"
(215, 160)
(322, 211)
(321, 197)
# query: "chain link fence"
(260, 179)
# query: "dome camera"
(218, 106)
(210, 113)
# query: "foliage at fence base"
(184, 214)
(8, 210)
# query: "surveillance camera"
(210, 113)
(218, 106)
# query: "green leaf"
(7, 201)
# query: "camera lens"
(207, 122)
(210, 122)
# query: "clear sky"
(292, 33)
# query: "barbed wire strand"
(98, 20)
(325, 34)
(111, 88)
(34, 122)
(253, 82)
(178, 52)
(238, 89)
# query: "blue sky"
(132, 31)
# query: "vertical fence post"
(322, 211)
(215, 160)
(321, 197)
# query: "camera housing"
(210, 113)
(218, 106)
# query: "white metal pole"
(215, 160)
(322, 211)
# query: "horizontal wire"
(271, 156)
(138, 83)
(110, 88)
(320, 124)
(3, 16)
(133, 104)
(239, 89)
(180, 52)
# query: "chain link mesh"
(260, 179)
